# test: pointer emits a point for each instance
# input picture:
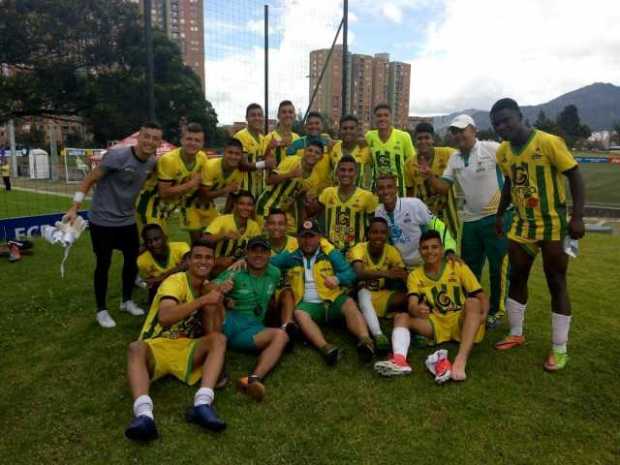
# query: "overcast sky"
(464, 53)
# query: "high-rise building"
(183, 22)
(371, 80)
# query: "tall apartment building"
(183, 22)
(371, 80)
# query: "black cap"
(259, 241)
(311, 226)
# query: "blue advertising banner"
(25, 227)
(584, 159)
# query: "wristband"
(260, 165)
(78, 197)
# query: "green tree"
(545, 124)
(570, 125)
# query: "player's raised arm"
(87, 183)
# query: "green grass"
(602, 182)
(64, 398)
(21, 203)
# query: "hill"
(598, 105)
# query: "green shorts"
(240, 331)
(325, 311)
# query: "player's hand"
(424, 168)
(274, 143)
(422, 310)
(296, 172)
(213, 297)
(226, 286)
(239, 265)
(232, 187)
(453, 258)
(195, 179)
(396, 273)
(499, 225)
(270, 163)
(331, 282)
(576, 228)
(70, 216)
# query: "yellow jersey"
(389, 260)
(253, 181)
(391, 156)
(178, 287)
(538, 191)
(290, 246)
(5, 170)
(150, 267)
(227, 224)
(448, 290)
(214, 178)
(279, 152)
(364, 164)
(345, 220)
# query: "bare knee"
(402, 320)
(136, 349)
(473, 307)
(214, 339)
(280, 337)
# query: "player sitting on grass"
(231, 232)
(173, 341)
(318, 273)
(244, 327)
(446, 303)
(534, 165)
(380, 270)
(161, 258)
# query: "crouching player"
(173, 342)
(317, 274)
(380, 272)
(251, 292)
(160, 259)
(446, 303)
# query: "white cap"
(462, 121)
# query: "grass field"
(64, 399)
(602, 184)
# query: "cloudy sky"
(464, 53)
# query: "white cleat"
(131, 308)
(439, 365)
(105, 320)
(141, 283)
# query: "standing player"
(446, 303)
(390, 148)
(5, 171)
(358, 149)
(278, 140)
(380, 269)
(408, 218)
(161, 258)
(232, 232)
(173, 342)
(318, 274)
(244, 326)
(112, 216)
(475, 169)
(346, 208)
(220, 178)
(432, 161)
(252, 140)
(175, 183)
(533, 163)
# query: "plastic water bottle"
(571, 247)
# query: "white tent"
(38, 164)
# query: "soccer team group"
(290, 233)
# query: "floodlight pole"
(148, 38)
(345, 30)
(266, 69)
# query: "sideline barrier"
(25, 227)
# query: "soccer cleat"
(382, 344)
(366, 350)
(105, 320)
(130, 307)
(331, 354)
(493, 321)
(142, 428)
(556, 361)
(510, 342)
(396, 365)
(439, 365)
(141, 283)
(205, 416)
(251, 386)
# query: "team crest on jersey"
(520, 176)
(537, 154)
(444, 303)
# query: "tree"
(545, 124)
(93, 65)
(615, 134)
(570, 125)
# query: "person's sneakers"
(130, 307)
(14, 252)
(510, 342)
(556, 361)
(105, 320)
(439, 365)
(382, 344)
(142, 428)
(205, 416)
(141, 283)
(396, 365)
(493, 321)
(331, 354)
(251, 386)
(366, 350)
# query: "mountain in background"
(598, 105)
